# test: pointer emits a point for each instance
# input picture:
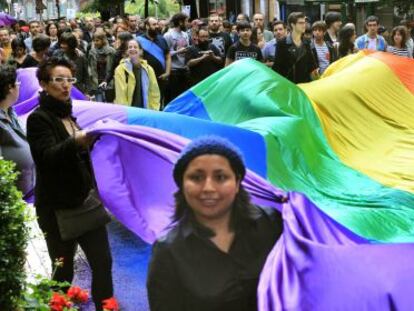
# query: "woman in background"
(398, 44)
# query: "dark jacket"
(292, 62)
(189, 272)
(62, 167)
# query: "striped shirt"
(398, 51)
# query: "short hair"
(332, 17)
(177, 18)
(16, 44)
(243, 25)
(40, 43)
(226, 24)
(5, 29)
(275, 23)
(319, 25)
(100, 35)
(372, 18)
(213, 14)
(403, 32)
(33, 22)
(44, 70)
(294, 16)
(70, 39)
(244, 16)
(146, 21)
(7, 79)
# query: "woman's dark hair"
(403, 32)
(124, 37)
(47, 29)
(16, 44)
(246, 18)
(45, 68)
(70, 39)
(41, 43)
(177, 18)
(242, 208)
(7, 80)
(345, 44)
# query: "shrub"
(13, 238)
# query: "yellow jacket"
(124, 87)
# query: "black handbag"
(74, 222)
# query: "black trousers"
(95, 245)
(178, 83)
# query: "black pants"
(178, 83)
(95, 245)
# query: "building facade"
(26, 9)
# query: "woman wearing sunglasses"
(64, 177)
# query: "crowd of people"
(165, 58)
(211, 259)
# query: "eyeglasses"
(61, 80)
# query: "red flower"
(110, 304)
(58, 302)
(77, 295)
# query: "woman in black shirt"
(212, 258)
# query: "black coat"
(295, 64)
(62, 167)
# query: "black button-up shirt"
(189, 272)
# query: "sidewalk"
(130, 260)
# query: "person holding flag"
(156, 53)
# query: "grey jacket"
(92, 66)
(14, 147)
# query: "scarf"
(61, 109)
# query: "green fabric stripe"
(252, 96)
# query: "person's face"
(300, 26)
(59, 90)
(98, 22)
(353, 38)
(64, 46)
(4, 37)
(14, 92)
(20, 52)
(62, 25)
(279, 31)
(98, 43)
(397, 38)
(183, 24)
(259, 34)
(34, 29)
(210, 187)
(152, 26)
(203, 36)
(133, 22)
(90, 24)
(245, 34)
(53, 30)
(214, 23)
(133, 49)
(240, 18)
(318, 34)
(372, 28)
(337, 25)
(258, 20)
(234, 29)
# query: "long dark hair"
(346, 46)
(242, 209)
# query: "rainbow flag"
(340, 147)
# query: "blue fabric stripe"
(153, 49)
(250, 143)
(188, 104)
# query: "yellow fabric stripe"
(367, 115)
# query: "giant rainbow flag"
(340, 147)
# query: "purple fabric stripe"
(133, 168)
(320, 265)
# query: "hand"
(164, 76)
(315, 74)
(182, 50)
(103, 85)
(83, 139)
